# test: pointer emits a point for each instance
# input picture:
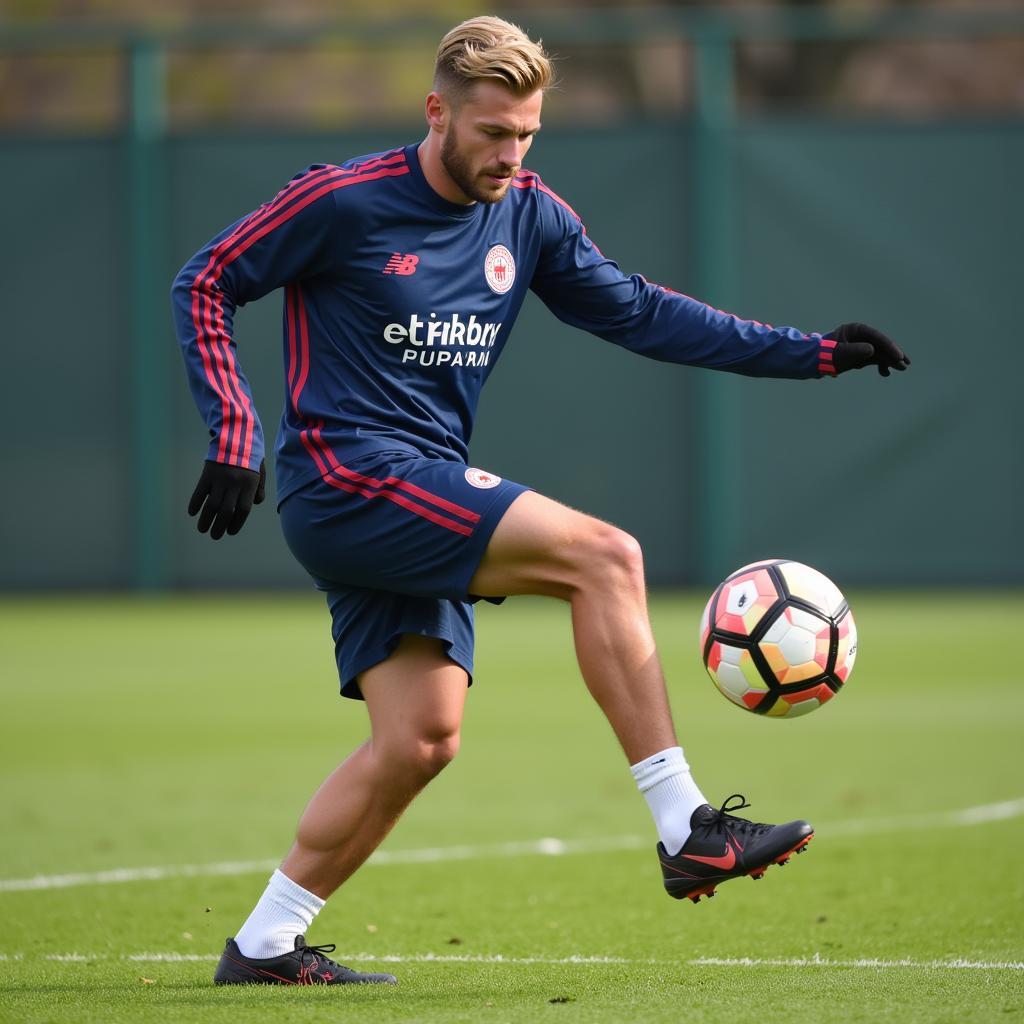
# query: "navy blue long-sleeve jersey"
(398, 304)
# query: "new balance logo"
(401, 263)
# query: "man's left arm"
(585, 289)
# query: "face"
(486, 139)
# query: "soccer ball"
(778, 638)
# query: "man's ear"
(437, 112)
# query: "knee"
(432, 752)
(612, 558)
(423, 752)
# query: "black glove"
(858, 345)
(229, 493)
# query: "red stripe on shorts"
(317, 448)
(400, 499)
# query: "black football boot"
(305, 965)
(722, 846)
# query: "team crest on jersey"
(499, 269)
(479, 478)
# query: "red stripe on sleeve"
(303, 373)
(528, 179)
(265, 229)
(311, 197)
(826, 353)
(197, 299)
(294, 189)
(289, 316)
(237, 420)
(248, 421)
(204, 312)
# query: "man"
(403, 274)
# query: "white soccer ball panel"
(734, 671)
(797, 646)
(812, 586)
(735, 698)
(741, 597)
(732, 655)
(777, 630)
(796, 621)
(803, 619)
(731, 681)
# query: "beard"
(461, 172)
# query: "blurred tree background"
(334, 82)
(804, 163)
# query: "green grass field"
(175, 732)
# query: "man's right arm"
(284, 240)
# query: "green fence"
(809, 221)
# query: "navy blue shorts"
(394, 540)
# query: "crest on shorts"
(499, 269)
(482, 479)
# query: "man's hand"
(226, 495)
(858, 345)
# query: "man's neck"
(429, 154)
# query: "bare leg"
(415, 698)
(415, 701)
(542, 547)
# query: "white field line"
(953, 964)
(548, 847)
(980, 815)
(869, 963)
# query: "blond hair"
(490, 48)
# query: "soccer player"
(403, 273)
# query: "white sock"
(672, 795)
(284, 910)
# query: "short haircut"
(494, 49)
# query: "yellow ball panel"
(799, 673)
